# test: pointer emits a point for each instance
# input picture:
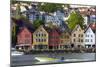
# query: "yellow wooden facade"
(40, 36)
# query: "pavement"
(50, 58)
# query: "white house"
(89, 38)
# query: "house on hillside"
(60, 15)
(32, 13)
(52, 19)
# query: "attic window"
(36, 34)
(40, 29)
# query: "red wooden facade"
(54, 39)
(24, 37)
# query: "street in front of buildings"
(34, 59)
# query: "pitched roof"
(49, 30)
(89, 26)
(40, 28)
(76, 27)
(21, 29)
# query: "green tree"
(14, 34)
(13, 1)
(50, 25)
(37, 23)
(49, 7)
(18, 11)
(74, 19)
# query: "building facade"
(53, 19)
(77, 37)
(54, 39)
(60, 15)
(89, 38)
(64, 40)
(32, 13)
(40, 39)
(24, 39)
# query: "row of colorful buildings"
(44, 38)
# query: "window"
(74, 40)
(44, 34)
(36, 40)
(44, 40)
(36, 35)
(88, 35)
(27, 41)
(81, 35)
(39, 40)
(87, 40)
(81, 40)
(61, 41)
(79, 29)
(67, 36)
(74, 35)
(39, 35)
(91, 40)
(91, 36)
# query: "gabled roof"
(21, 29)
(49, 30)
(76, 27)
(41, 26)
(88, 28)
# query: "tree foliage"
(37, 23)
(49, 7)
(74, 19)
(14, 34)
(13, 1)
